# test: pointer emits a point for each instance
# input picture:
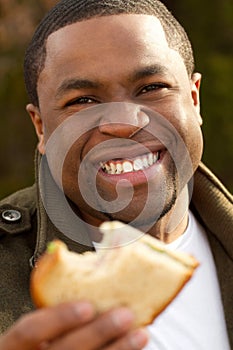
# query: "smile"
(123, 166)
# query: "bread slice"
(143, 275)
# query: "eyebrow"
(148, 71)
(76, 84)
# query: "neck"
(167, 229)
(174, 223)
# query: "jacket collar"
(60, 223)
(214, 205)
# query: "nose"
(123, 120)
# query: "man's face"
(123, 58)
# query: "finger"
(45, 325)
(98, 333)
(135, 340)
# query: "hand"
(74, 326)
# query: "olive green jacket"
(24, 240)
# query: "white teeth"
(156, 157)
(145, 162)
(150, 159)
(119, 168)
(127, 167)
(137, 164)
(112, 171)
(108, 168)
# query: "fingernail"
(139, 339)
(122, 318)
(84, 311)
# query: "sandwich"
(142, 274)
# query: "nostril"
(123, 120)
(118, 129)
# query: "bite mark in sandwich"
(143, 275)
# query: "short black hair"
(70, 11)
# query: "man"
(115, 104)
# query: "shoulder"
(18, 230)
(17, 210)
(211, 195)
(205, 180)
(214, 205)
(25, 197)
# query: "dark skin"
(167, 89)
(74, 326)
(112, 60)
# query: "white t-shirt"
(195, 319)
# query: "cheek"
(189, 129)
(64, 158)
(73, 157)
(184, 119)
(70, 183)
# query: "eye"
(80, 101)
(153, 87)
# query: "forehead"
(126, 30)
(107, 49)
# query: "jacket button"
(11, 215)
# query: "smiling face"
(121, 58)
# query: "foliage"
(209, 25)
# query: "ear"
(34, 113)
(195, 90)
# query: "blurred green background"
(209, 24)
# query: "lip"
(125, 151)
(136, 177)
